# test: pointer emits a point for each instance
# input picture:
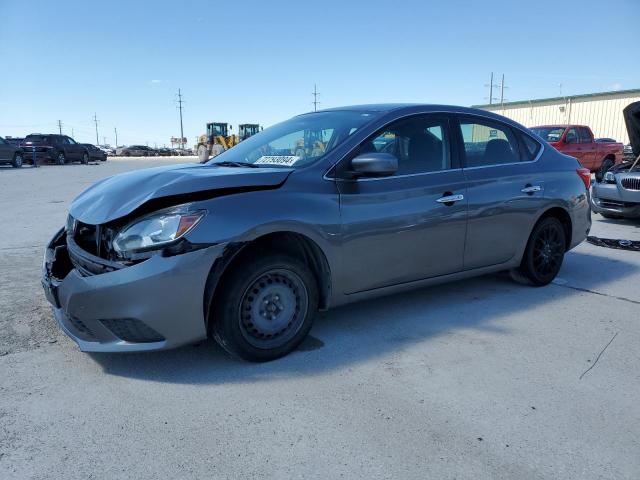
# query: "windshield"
(298, 141)
(550, 134)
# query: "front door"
(74, 150)
(573, 148)
(411, 225)
(5, 151)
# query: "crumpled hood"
(119, 195)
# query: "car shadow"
(355, 333)
(631, 222)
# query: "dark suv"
(10, 153)
(55, 148)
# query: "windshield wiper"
(236, 164)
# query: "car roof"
(389, 107)
(560, 126)
(410, 108)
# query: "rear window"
(38, 138)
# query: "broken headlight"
(155, 230)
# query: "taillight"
(585, 175)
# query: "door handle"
(450, 199)
(531, 189)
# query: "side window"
(488, 143)
(2, 142)
(420, 143)
(572, 136)
(529, 148)
(70, 141)
(585, 135)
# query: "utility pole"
(95, 119)
(491, 85)
(60, 126)
(104, 140)
(180, 102)
(116, 132)
(315, 94)
(502, 87)
(72, 135)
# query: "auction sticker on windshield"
(286, 160)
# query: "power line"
(502, 87)
(180, 102)
(491, 85)
(95, 119)
(315, 94)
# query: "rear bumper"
(41, 156)
(154, 305)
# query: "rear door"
(504, 189)
(400, 229)
(588, 149)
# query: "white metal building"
(600, 111)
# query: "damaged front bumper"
(153, 305)
(614, 199)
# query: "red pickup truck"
(577, 141)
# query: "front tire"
(203, 153)
(265, 307)
(85, 158)
(17, 160)
(543, 255)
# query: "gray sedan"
(322, 210)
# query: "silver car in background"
(322, 210)
(617, 194)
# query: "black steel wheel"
(265, 307)
(544, 253)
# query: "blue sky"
(257, 61)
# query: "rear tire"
(60, 158)
(543, 255)
(85, 158)
(265, 307)
(17, 160)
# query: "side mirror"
(374, 165)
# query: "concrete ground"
(477, 379)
